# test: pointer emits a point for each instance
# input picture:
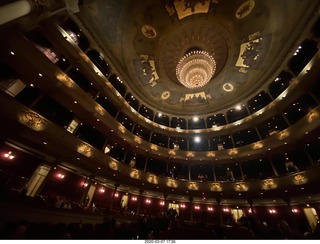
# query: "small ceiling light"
(238, 107)
(195, 119)
(197, 139)
(12, 53)
(60, 176)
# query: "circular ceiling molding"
(165, 95)
(148, 31)
(228, 87)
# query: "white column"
(91, 192)
(37, 179)
(14, 10)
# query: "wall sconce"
(9, 155)
(60, 176)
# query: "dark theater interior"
(160, 119)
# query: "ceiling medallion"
(228, 87)
(165, 95)
(195, 69)
(245, 9)
(148, 31)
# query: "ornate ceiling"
(145, 40)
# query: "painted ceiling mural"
(156, 35)
(248, 56)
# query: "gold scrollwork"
(85, 150)
(299, 179)
(193, 186)
(33, 120)
(172, 183)
(216, 187)
(241, 187)
(269, 184)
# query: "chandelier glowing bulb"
(195, 69)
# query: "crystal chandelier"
(195, 69)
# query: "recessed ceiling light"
(197, 139)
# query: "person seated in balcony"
(291, 167)
(67, 204)
(200, 177)
(133, 162)
(230, 176)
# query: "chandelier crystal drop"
(195, 69)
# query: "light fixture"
(195, 119)
(238, 107)
(197, 139)
(9, 155)
(60, 176)
(195, 69)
